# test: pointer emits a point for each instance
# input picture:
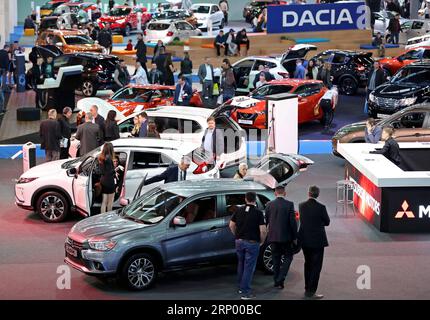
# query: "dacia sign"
(316, 17)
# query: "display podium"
(60, 92)
(20, 72)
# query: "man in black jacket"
(66, 132)
(141, 52)
(38, 78)
(391, 148)
(105, 38)
(376, 78)
(313, 239)
(173, 173)
(282, 233)
(50, 136)
(98, 119)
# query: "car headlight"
(371, 97)
(25, 180)
(407, 101)
(102, 245)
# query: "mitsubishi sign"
(316, 17)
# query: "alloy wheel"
(87, 88)
(52, 207)
(141, 273)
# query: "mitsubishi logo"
(409, 214)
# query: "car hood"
(51, 168)
(397, 90)
(111, 19)
(103, 105)
(350, 128)
(86, 47)
(104, 226)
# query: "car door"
(82, 186)
(417, 29)
(61, 61)
(141, 164)
(412, 127)
(197, 242)
(242, 71)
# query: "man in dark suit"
(66, 131)
(38, 78)
(88, 134)
(376, 78)
(141, 51)
(206, 76)
(391, 148)
(99, 120)
(183, 92)
(282, 233)
(173, 173)
(143, 120)
(213, 140)
(313, 239)
(50, 136)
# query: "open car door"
(278, 169)
(82, 186)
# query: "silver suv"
(174, 226)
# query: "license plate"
(73, 252)
(382, 115)
(245, 121)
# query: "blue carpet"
(311, 40)
(255, 148)
(370, 47)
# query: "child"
(129, 46)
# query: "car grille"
(246, 116)
(74, 244)
(387, 103)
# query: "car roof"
(151, 86)
(294, 82)
(177, 111)
(65, 32)
(163, 21)
(155, 143)
(203, 4)
(90, 55)
(348, 52)
(190, 188)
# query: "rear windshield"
(109, 64)
(158, 26)
(363, 59)
(81, 39)
(200, 9)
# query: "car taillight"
(99, 68)
(360, 68)
(284, 75)
(144, 33)
(170, 33)
(201, 168)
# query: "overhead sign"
(316, 17)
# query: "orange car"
(250, 112)
(392, 65)
(69, 41)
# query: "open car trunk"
(298, 51)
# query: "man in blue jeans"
(249, 228)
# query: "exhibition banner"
(316, 17)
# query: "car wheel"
(127, 30)
(140, 272)
(348, 86)
(52, 206)
(266, 259)
(44, 98)
(88, 89)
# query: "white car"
(282, 66)
(185, 124)
(205, 12)
(56, 188)
(417, 42)
(168, 31)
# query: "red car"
(123, 19)
(392, 65)
(250, 112)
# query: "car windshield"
(270, 89)
(169, 15)
(158, 26)
(200, 9)
(414, 75)
(81, 39)
(117, 12)
(74, 162)
(133, 94)
(153, 206)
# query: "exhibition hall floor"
(32, 250)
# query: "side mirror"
(124, 202)
(179, 222)
(72, 172)
(59, 44)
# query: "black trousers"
(218, 49)
(313, 265)
(281, 268)
(38, 97)
(328, 112)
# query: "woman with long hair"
(169, 79)
(107, 179)
(111, 127)
(136, 128)
(312, 70)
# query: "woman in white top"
(140, 75)
(261, 81)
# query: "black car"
(49, 22)
(98, 68)
(349, 69)
(409, 86)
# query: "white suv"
(281, 66)
(205, 12)
(54, 189)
